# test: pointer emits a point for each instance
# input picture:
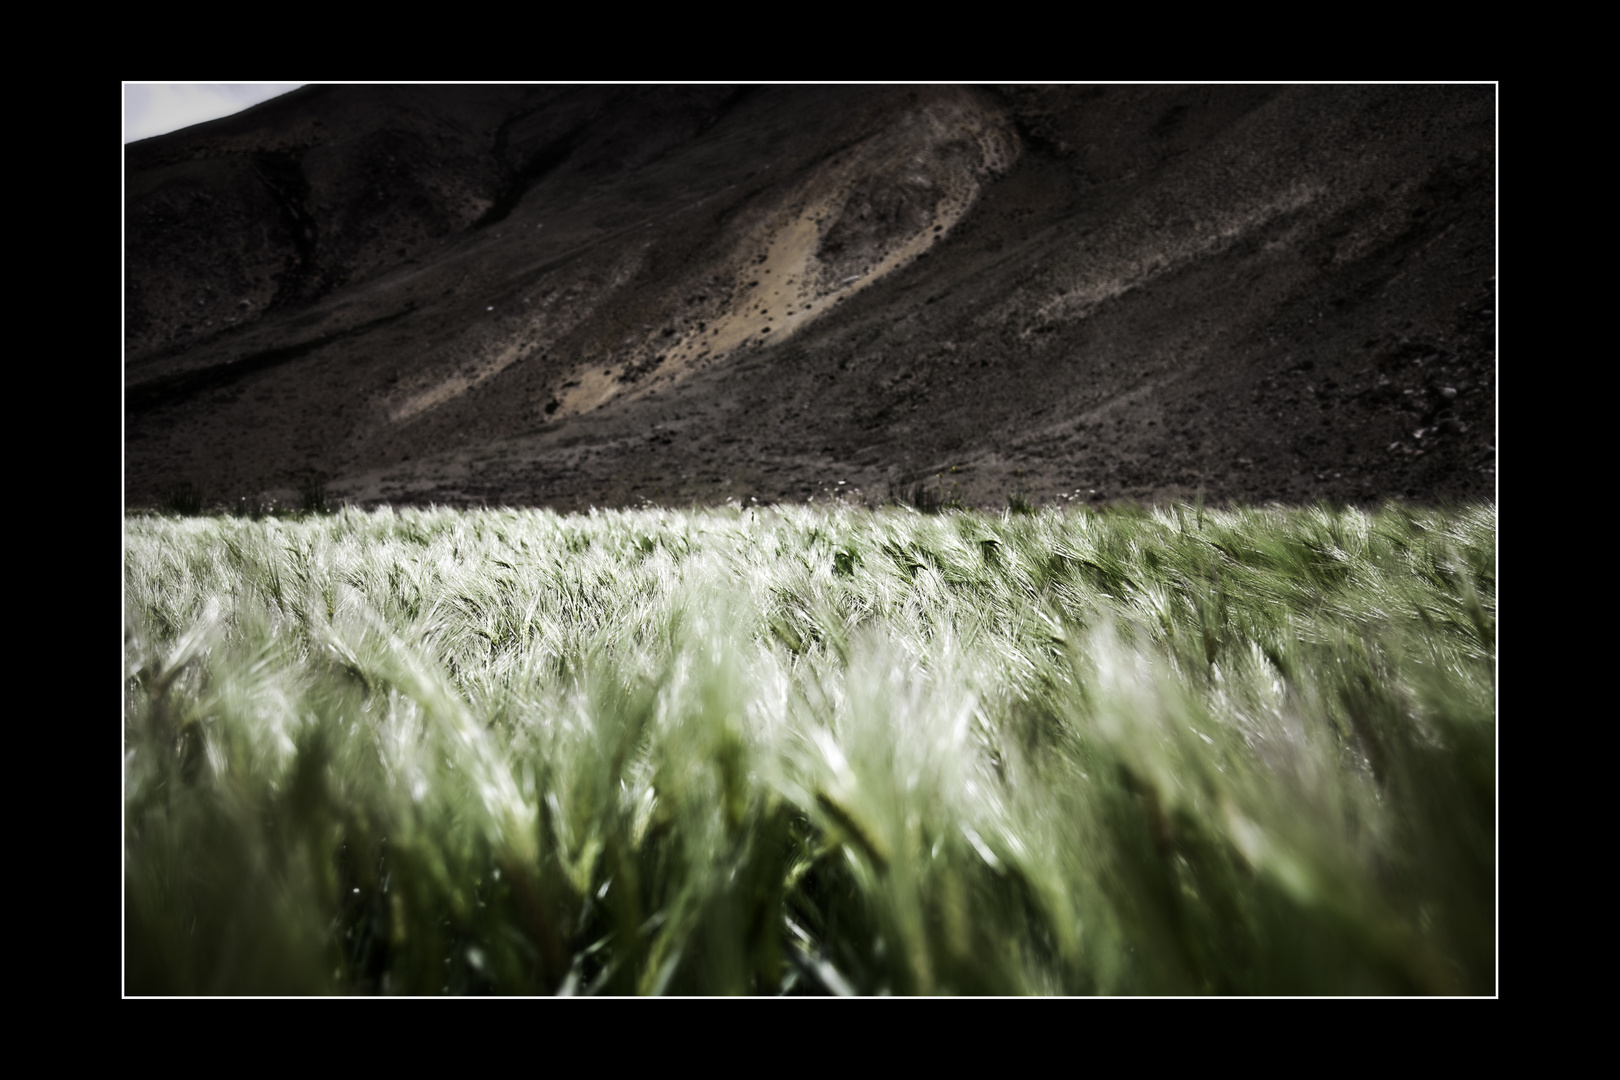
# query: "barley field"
(811, 751)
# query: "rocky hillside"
(586, 295)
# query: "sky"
(158, 108)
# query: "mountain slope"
(574, 296)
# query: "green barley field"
(811, 751)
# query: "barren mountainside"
(569, 296)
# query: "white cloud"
(157, 108)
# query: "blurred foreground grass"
(795, 751)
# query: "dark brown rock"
(501, 294)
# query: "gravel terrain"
(574, 296)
